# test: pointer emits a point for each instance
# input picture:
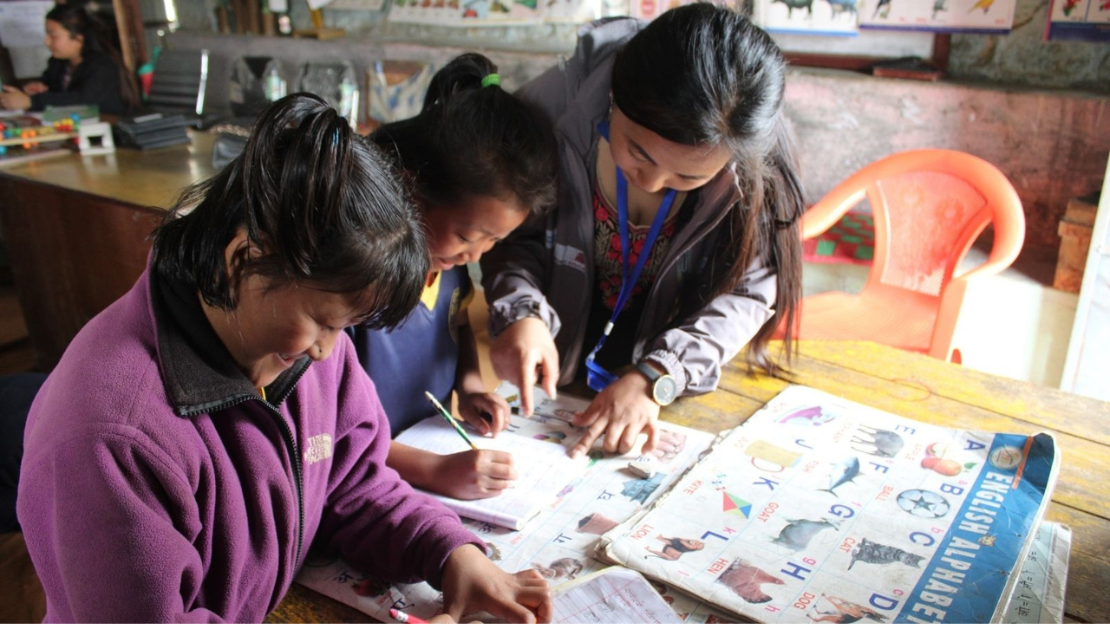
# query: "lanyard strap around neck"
(629, 278)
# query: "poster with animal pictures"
(811, 17)
(821, 509)
(465, 13)
(1078, 20)
(651, 9)
(965, 16)
(560, 541)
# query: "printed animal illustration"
(877, 442)
(809, 416)
(565, 568)
(982, 4)
(842, 6)
(883, 4)
(842, 473)
(796, 4)
(674, 547)
(843, 612)
(797, 533)
(938, 6)
(871, 552)
(744, 580)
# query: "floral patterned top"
(607, 250)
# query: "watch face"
(664, 390)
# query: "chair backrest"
(929, 206)
(180, 78)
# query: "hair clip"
(491, 79)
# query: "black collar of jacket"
(198, 371)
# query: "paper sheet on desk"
(614, 594)
(542, 465)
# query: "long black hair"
(320, 206)
(701, 74)
(96, 37)
(471, 140)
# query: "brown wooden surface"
(76, 231)
(924, 389)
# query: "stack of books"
(151, 130)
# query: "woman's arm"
(695, 351)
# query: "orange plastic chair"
(929, 206)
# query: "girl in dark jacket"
(83, 69)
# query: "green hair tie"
(491, 79)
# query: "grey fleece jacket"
(547, 267)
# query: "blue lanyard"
(596, 376)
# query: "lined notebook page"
(543, 470)
(614, 594)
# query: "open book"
(823, 509)
(542, 464)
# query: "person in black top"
(83, 69)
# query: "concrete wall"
(1052, 144)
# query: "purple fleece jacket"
(158, 486)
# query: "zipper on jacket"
(295, 454)
(291, 447)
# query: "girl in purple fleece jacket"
(205, 429)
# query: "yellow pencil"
(450, 419)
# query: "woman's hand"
(621, 411)
(473, 474)
(524, 348)
(14, 99)
(471, 582)
(485, 411)
(35, 88)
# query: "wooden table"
(924, 389)
(76, 230)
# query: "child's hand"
(473, 474)
(522, 355)
(35, 88)
(471, 582)
(14, 99)
(621, 411)
(476, 407)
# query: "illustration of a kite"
(736, 506)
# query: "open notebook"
(542, 464)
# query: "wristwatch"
(664, 390)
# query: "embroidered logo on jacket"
(319, 448)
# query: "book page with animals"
(542, 464)
(970, 16)
(559, 542)
(822, 509)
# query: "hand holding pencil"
(469, 475)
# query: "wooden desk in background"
(924, 389)
(76, 229)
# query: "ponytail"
(473, 139)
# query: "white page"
(614, 594)
(543, 470)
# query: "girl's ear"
(237, 251)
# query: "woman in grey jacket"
(675, 241)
